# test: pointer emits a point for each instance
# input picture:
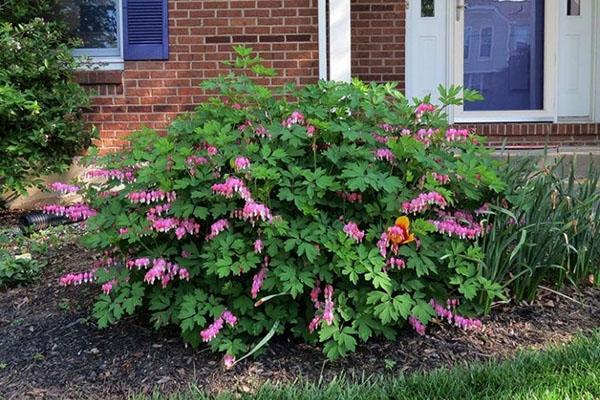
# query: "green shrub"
(41, 125)
(19, 263)
(263, 213)
(18, 269)
(545, 229)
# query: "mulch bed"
(50, 348)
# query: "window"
(427, 8)
(97, 24)
(574, 8)
(485, 47)
(467, 44)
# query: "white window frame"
(479, 56)
(548, 113)
(104, 59)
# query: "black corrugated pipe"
(38, 220)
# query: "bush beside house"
(321, 211)
(41, 125)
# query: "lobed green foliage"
(303, 177)
(41, 125)
(20, 261)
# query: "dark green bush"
(334, 213)
(41, 125)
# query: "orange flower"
(400, 232)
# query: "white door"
(575, 58)
(426, 46)
(505, 49)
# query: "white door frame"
(596, 69)
(456, 63)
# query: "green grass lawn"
(566, 372)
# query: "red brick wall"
(540, 134)
(284, 32)
(378, 37)
(201, 34)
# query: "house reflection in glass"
(505, 60)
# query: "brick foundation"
(539, 134)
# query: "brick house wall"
(201, 36)
(378, 37)
(284, 32)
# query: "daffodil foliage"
(335, 212)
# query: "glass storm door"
(501, 48)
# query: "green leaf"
(423, 311)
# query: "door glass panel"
(427, 8)
(574, 8)
(505, 61)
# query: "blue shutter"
(146, 29)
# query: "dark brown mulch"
(50, 348)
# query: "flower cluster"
(388, 128)
(193, 161)
(76, 212)
(459, 224)
(63, 188)
(417, 325)
(258, 246)
(216, 228)
(424, 108)
(151, 196)
(453, 135)
(211, 150)
(484, 209)
(395, 263)
(395, 236)
(352, 230)
(139, 263)
(385, 154)
(351, 197)
(181, 227)
(231, 186)
(455, 319)
(254, 212)
(441, 178)
(213, 329)
(108, 286)
(262, 132)
(296, 118)
(258, 279)
(241, 163)
(165, 271)
(327, 305)
(379, 138)
(424, 136)
(78, 278)
(467, 324)
(423, 201)
(123, 175)
(228, 361)
(310, 131)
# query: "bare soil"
(51, 348)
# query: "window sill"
(101, 64)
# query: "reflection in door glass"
(427, 8)
(508, 65)
(574, 8)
